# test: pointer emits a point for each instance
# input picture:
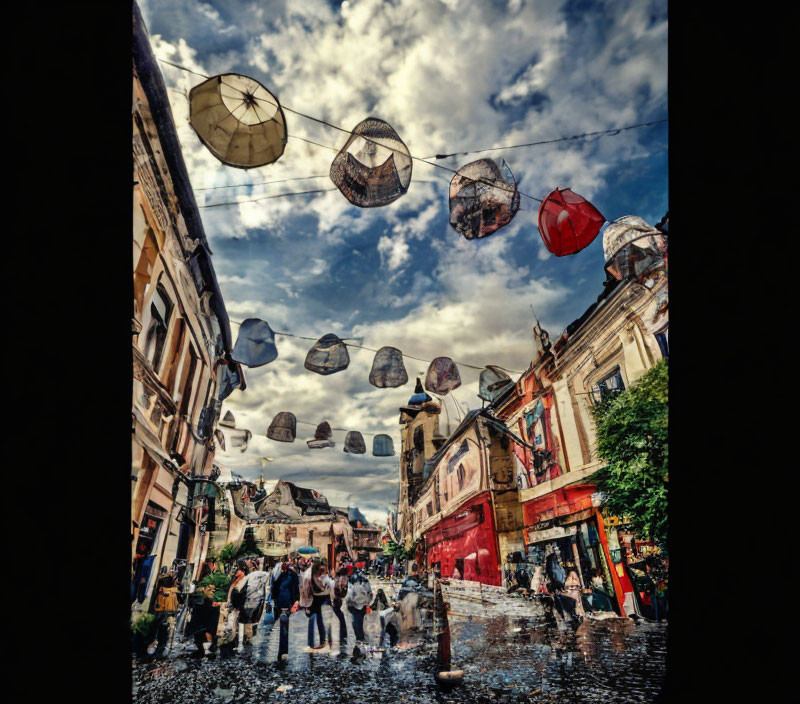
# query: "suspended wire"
(262, 183)
(370, 349)
(267, 197)
(424, 160)
(613, 131)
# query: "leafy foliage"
(229, 552)
(632, 438)
(221, 582)
(397, 550)
(143, 625)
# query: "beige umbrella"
(239, 120)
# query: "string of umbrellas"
(243, 125)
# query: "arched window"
(160, 314)
(271, 535)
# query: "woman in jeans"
(359, 595)
(314, 592)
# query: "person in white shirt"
(359, 595)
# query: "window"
(311, 538)
(271, 535)
(462, 450)
(144, 270)
(461, 475)
(160, 313)
(610, 385)
(662, 337)
(419, 440)
(429, 508)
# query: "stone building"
(181, 340)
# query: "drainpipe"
(620, 594)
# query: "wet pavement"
(505, 658)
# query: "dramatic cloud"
(449, 77)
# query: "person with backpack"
(285, 593)
(254, 588)
(340, 588)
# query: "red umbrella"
(568, 222)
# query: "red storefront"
(466, 538)
(571, 507)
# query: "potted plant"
(143, 633)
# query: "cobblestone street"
(503, 658)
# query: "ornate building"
(181, 343)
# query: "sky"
(449, 76)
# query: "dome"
(419, 395)
(631, 246)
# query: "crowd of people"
(263, 590)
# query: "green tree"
(632, 439)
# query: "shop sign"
(579, 517)
(537, 536)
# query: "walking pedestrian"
(205, 615)
(254, 595)
(359, 595)
(572, 591)
(165, 607)
(314, 592)
(340, 588)
(285, 592)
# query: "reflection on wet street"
(504, 658)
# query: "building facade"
(606, 350)
(458, 500)
(181, 342)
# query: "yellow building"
(181, 340)
(606, 350)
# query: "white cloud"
(448, 76)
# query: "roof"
(153, 85)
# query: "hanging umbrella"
(228, 421)
(388, 370)
(231, 377)
(568, 222)
(283, 427)
(255, 344)
(239, 120)
(240, 438)
(442, 376)
(322, 437)
(483, 198)
(373, 168)
(631, 246)
(220, 438)
(307, 550)
(327, 356)
(354, 443)
(382, 446)
(493, 381)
